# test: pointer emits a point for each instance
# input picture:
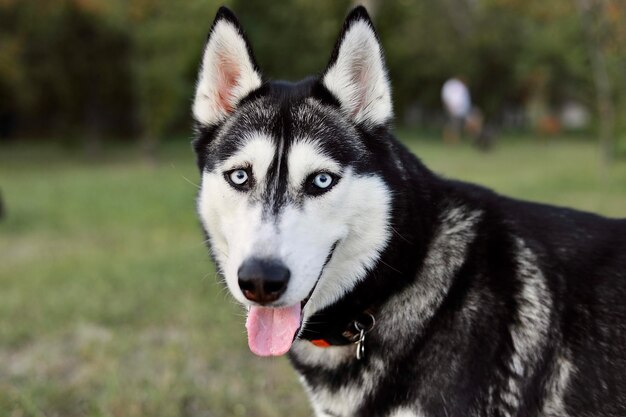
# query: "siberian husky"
(394, 291)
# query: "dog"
(394, 291)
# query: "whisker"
(185, 178)
(391, 267)
(398, 233)
(191, 182)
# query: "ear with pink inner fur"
(228, 71)
(357, 75)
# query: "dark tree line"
(101, 69)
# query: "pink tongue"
(271, 330)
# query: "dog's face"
(290, 198)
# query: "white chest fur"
(347, 400)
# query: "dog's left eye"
(239, 178)
(322, 180)
(319, 183)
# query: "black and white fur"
(484, 305)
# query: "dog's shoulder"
(549, 227)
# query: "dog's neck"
(421, 295)
(399, 264)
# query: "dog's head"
(292, 199)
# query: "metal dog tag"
(360, 345)
(363, 329)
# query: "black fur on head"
(364, 104)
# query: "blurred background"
(109, 304)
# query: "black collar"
(323, 332)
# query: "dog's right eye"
(319, 182)
(239, 178)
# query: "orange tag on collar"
(320, 343)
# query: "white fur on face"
(306, 157)
(354, 214)
(227, 74)
(359, 79)
(228, 215)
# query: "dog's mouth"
(272, 330)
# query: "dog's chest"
(334, 388)
(348, 402)
(318, 368)
(343, 402)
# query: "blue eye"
(239, 177)
(320, 182)
(323, 180)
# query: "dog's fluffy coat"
(484, 305)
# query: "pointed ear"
(228, 71)
(356, 74)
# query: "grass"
(109, 305)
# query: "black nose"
(263, 280)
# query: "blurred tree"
(167, 44)
(295, 39)
(65, 70)
(592, 15)
(98, 68)
(95, 60)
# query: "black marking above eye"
(240, 178)
(320, 182)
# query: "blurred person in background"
(462, 116)
(458, 103)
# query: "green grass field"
(109, 305)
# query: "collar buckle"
(362, 326)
